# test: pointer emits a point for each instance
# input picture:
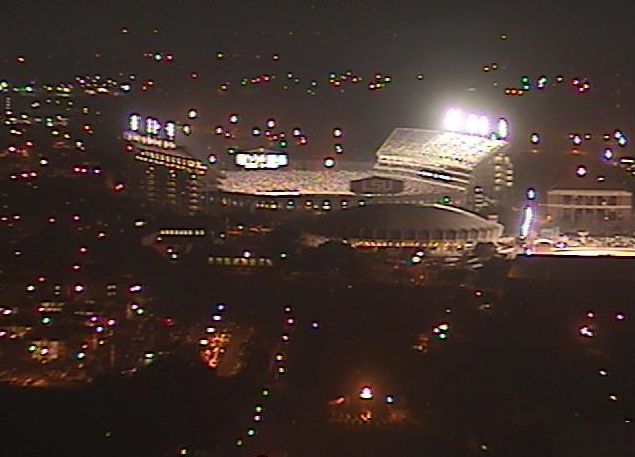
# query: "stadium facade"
(412, 166)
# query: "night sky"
(447, 41)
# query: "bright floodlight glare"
(170, 129)
(472, 124)
(503, 128)
(134, 122)
(483, 126)
(528, 218)
(453, 120)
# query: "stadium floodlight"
(472, 124)
(134, 122)
(453, 120)
(170, 129)
(153, 127)
(503, 128)
(483, 126)
(528, 219)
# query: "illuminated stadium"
(295, 183)
(411, 166)
(447, 159)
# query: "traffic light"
(525, 84)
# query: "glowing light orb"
(581, 171)
(366, 393)
(329, 162)
(534, 138)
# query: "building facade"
(597, 211)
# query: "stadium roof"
(406, 217)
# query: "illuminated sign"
(375, 185)
(456, 120)
(149, 140)
(261, 161)
(170, 129)
(171, 161)
(151, 126)
(182, 232)
(434, 175)
(134, 122)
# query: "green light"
(31, 348)
(265, 392)
(282, 143)
(239, 442)
(259, 408)
(46, 320)
(251, 432)
(446, 200)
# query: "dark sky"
(449, 41)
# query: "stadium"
(438, 227)
(414, 166)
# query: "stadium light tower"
(473, 124)
(453, 120)
(483, 126)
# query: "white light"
(170, 129)
(472, 124)
(134, 122)
(503, 128)
(366, 393)
(528, 218)
(453, 120)
(153, 127)
(483, 126)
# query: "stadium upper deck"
(448, 159)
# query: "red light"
(129, 147)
